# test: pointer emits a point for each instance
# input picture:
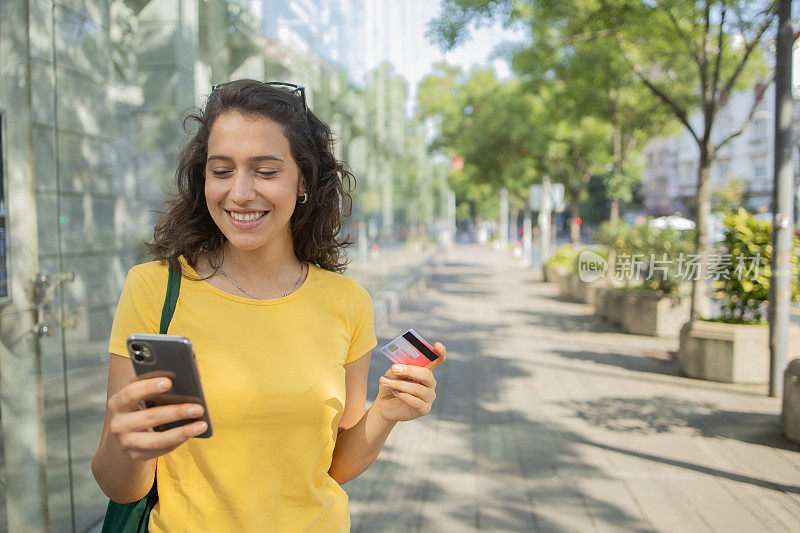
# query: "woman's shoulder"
(334, 281)
(150, 269)
(152, 273)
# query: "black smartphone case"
(170, 356)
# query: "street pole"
(544, 221)
(504, 218)
(451, 218)
(527, 239)
(783, 218)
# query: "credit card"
(410, 349)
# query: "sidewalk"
(548, 420)
(396, 274)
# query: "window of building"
(759, 129)
(723, 168)
(759, 169)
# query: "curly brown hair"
(186, 227)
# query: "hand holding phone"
(130, 425)
(172, 357)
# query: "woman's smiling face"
(252, 181)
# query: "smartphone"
(169, 356)
(411, 349)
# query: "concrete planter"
(609, 305)
(790, 416)
(571, 287)
(564, 285)
(552, 273)
(601, 293)
(574, 287)
(644, 313)
(586, 292)
(732, 353)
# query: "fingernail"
(163, 384)
(397, 369)
(195, 411)
(384, 379)
(200, 428)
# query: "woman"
(282, 339)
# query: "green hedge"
(565, 256)
(644, 252)
(745, 268)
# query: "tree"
(509, 137)
(598, 84)
(690, 54)
(487, 124)
(577, 150)
(731, 196)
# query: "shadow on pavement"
(793, 489)
(567, 322)
(475, 463)
(635, 363)
(666, 414)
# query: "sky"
(476, 51)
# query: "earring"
(303, 199)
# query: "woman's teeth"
(247, 217)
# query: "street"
(546, 419)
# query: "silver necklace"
(296, 284)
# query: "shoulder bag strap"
(171, 299)
(134, 517)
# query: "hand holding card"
(411, 349)
(408, 388)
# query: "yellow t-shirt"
(274, 384)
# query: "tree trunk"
(514, 225)
(612, 252)
(700, 307)
(613, 216)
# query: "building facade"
(669, 180)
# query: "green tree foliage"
(577, 149)
(596, 80)
(509, 137)
(689, 54)
(489, 124)
(732, 195)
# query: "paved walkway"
(548, 420)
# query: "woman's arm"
(125, 463)
(406, 392)
(361, 435)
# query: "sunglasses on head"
(293, 86)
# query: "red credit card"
(410, 349)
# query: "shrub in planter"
(646, 256)
(650, 263)
(735, 347)
(558, 269)
(745, 267)
(562, 261)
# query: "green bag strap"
(171, 299)
(134, 517)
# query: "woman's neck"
(262, 273)
(257, 264)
